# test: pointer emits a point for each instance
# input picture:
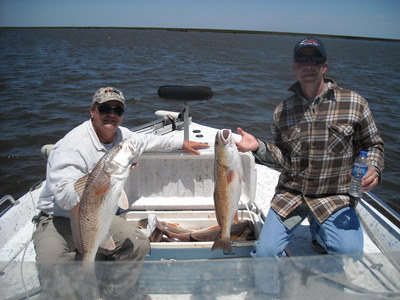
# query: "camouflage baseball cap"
(105, 94)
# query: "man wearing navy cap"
(317, 134)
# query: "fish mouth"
(127, 154)
(225, 135)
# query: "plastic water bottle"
(359, 169)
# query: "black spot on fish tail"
(224, 244)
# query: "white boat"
(177, 187)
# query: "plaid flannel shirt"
(315, 147)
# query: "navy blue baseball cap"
(310, 42)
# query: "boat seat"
(185, 93)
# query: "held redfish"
(228, 176)
(101, 192)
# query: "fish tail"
(223, 243)
(87, 256)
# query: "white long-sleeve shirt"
(75, 155)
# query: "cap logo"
(107, 94)
(309, 42)
(110, 91)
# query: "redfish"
(228, 176)
(101, 192)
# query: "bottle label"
(359, 170)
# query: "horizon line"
(232, 31)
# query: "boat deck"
(377, 273)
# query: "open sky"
(364, 18)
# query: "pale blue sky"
(364, 18)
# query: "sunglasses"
(315, 59)
(107, 109)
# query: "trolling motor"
(185, 93)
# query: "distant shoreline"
(231, 31)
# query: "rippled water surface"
(48, 76)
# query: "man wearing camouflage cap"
(73, 157)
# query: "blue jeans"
(341, 233)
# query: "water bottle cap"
(363, 153)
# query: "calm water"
(48, 76)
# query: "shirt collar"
(330, 84)
(95, 139)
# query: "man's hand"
(370, 180)
(248, 142)
(191, 146)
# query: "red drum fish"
(174, 232)
(228, 176)
(239, 232)
(101, 192)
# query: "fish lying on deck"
(173, 232)
(241, 231)
(228, 176)
(100, 192)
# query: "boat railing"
(383, 208)
(166, 124)
(6, 202)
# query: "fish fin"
(143, 223)
(213, 227)
(243, 236)
(108, 243)
(236, 218)
(156, 236)
(123, 200)
(79, 185)
(222, 243)
(103, 188)
(231, 176)
(75, 226)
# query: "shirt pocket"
(340, 138)
(291, 139)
